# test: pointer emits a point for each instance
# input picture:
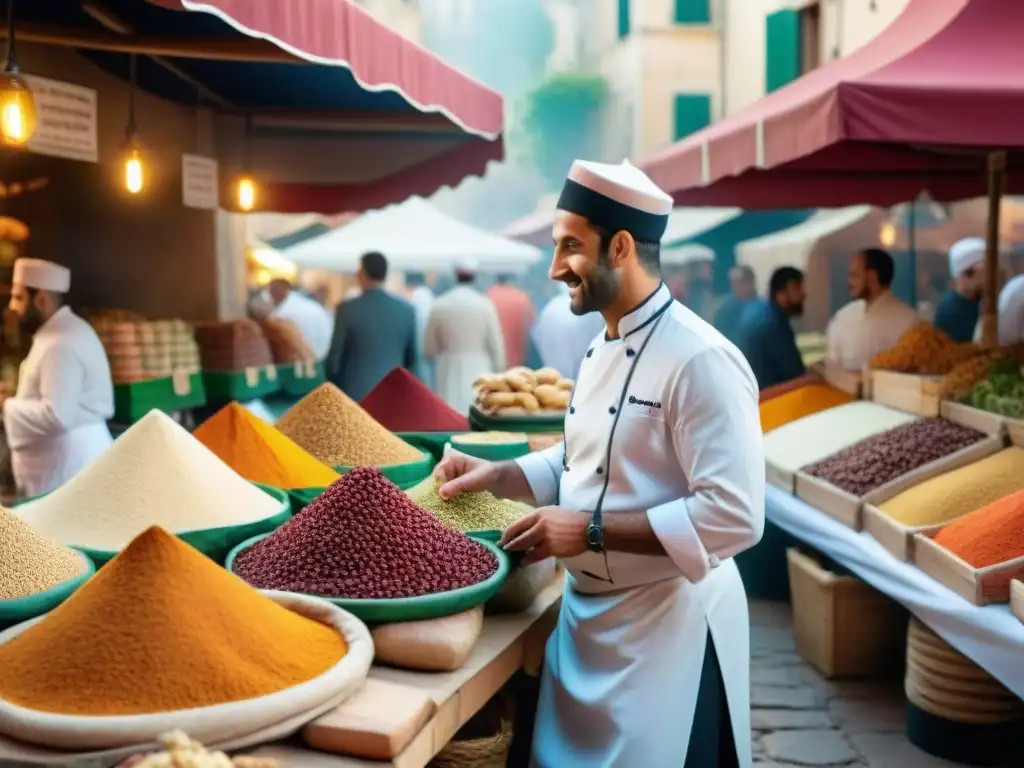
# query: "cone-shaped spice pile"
(364, 538)
(162, 628)
(333, 428)
(403, 403)
(31, 563)
(260, 453)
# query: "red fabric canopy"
(914, 109)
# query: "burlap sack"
(219, 724)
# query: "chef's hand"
(459, 473)
(547, 532)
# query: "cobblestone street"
(801, 719)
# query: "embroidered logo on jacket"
(645, 403)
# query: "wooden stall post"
(990, 307)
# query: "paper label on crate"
(271, 372)
(299, 368)
(181, 382)
(311, 369)
(252, 377)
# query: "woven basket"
(470, 750)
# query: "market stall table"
(507, 645)
(989, 636)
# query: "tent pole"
(990, 317)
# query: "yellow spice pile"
(338, 432)
(963, 490)
(31, 563)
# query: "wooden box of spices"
(1017, 598)
(907, 392)
(894, 536)
(850, 382)
(978, 586)
(848, 509)
(1015, 427)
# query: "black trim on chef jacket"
(617, 411)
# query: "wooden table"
(507, 644)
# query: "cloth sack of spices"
(287, 344)
(233, 346)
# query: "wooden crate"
(849, 509)
(1017, 598)
(907, 392)
(843, 627)
(978, 586)
(1015, 427)
(894, 536)
(780, 477)
(990, 423)
(851, 382)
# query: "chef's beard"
(598, 289)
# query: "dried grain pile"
(160, 628)
(813, 438)
(403, 403)
(156, 473)
(31, 563)
(877, 460)
(334, 429)
(987, 536)
(468, 511)
(489, 438)
(364, 538)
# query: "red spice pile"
(403, 403)
(364, 538)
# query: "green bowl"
(301, 497)
(492, 451)
(21, 609)
(215, 543)
(383, 611)
(404, 475)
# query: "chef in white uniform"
(875, 320)
(57, 422)
(658, 484)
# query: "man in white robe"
(56, 424)
(875, 320)
(658, 484)
(312, 319)
(463, 339)
(1011, 312)
(562, 337)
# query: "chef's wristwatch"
(595, 536)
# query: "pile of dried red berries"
(364, 538)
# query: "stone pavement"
(801, 719)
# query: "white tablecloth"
(992, 637)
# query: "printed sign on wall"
(199, 185)
(65, 120)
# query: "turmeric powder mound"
(334, 429)
(988, 536)
(807, 400)
(963, 490)
(772, 392)
(260, 453)
(162, 628)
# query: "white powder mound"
(819, 435)
(156, 473)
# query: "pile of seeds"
(156, 473)
(468, 511)
(881, 458)
(31, 563)
(403, 403)
(336, 431)
(487, 438)
(364, 538)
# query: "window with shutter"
(623, 18)
(693, 12)
(692, 112)
(782, 49)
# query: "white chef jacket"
(56, 423)
(623, 666)
(464, 338)
(857, 332)
(561, 337)
(1011, 312)
(313, 321)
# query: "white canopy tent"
(792, 247)
(413, 235)
(687, 253)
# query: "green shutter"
(782, 49)
(693, 12)
(623, 18)
(692, 112)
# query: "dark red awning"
(911, 110)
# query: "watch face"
(594, 535)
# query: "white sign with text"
(200, 187)
(65, 120)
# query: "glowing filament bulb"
(17, 110)
(246, 193)
(133, 172)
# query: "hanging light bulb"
(246, 193)
(134, 171)
(134, 168)
(17, 105)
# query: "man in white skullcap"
(57, 421)
(463, 338)
(658, 484)
(959, 308)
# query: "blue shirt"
(767, 340)
(957, 316)
(729, 317)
